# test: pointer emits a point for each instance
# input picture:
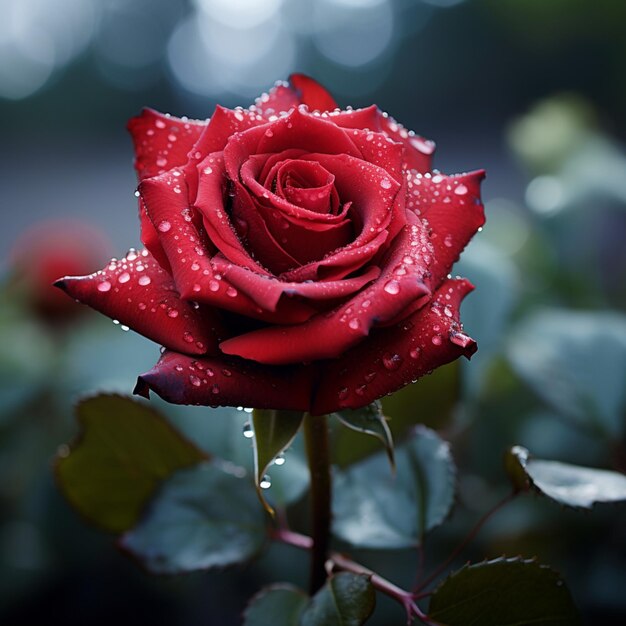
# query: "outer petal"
(452, 207)
(300, 89)
(328, 335)
(418, 151)
(181, 379)
(311, 93)
(138, 293)
(162, 141)
(397, 355)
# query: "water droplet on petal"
(392, 361)
(104, 286)
(195, 381)
(447, 241)
(231, 292)
(144, 280)
(392, 287)
(460, 190)
(188, 337)
(385, 183)
(164, 226)
(415, 353)
(354, 323)
(172, 313)
(436, 340)
(124, 277)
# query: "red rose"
(296, 255)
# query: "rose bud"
(296, 255)
(50, 249)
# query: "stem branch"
(317, 448)
(455, 553)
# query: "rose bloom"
(296, 255)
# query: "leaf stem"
(405, 598)
(342, 562)
(317, 448)
(472, 533)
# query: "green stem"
(317, 448)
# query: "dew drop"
(279, 460)
(392, 287)
(213, 285)
(385, 183)
(266, 482)
(447, 241)
(231, 292)
(123, 278)
(392, 361)
(436, 340)
(172, 313)
(415, 353)
(144, 280)
(248, 433)
(354, 323)
(188, 337)
(195, 381)
(104, 286)
(164, 226)
(460, 190)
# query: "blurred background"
(532, 91)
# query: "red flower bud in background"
(50, 249)
(296, 255)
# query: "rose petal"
(222, 125)
(397, 355)
(181, 379)
(418, 151)
(162, 141)
(139, 294)
(300, 89)
(453, 209)
(311, 93)
(267, 291)
(401, 285)
(297, 130)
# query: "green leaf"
(345, 600)
(571, 485)
(206, 516)
(374, 509)
(124, 451)
(576, 363)
(371, 421)
(273, 432)
(504, 592)
(278, 605)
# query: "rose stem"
(317, 448)
(341, 562)
(472, 533)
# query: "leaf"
(345, 600)
(575, 361)
(371, 421)
(374, 509)
(571, 485)
(124, 451)
(504, 592)
(206, 516)
(273, 432)
(278, 605)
